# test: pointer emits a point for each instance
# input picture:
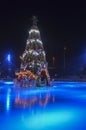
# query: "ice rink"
(60, 107)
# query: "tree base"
(32, 83)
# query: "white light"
(39, 64)
(44, 53)
(23, 55)
(28, 41)
(39, 41)
(35, 53)
(33, 30)
(30, 51)
(9, 58)
(32, 40)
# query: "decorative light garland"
(28, 41)
(33, 30)
(39, 41)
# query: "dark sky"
(60, 23)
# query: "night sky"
(60, 24)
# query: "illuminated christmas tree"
(33, 60)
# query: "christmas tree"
(33, 59)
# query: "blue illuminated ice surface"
(60, 107)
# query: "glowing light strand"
(33, 30)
